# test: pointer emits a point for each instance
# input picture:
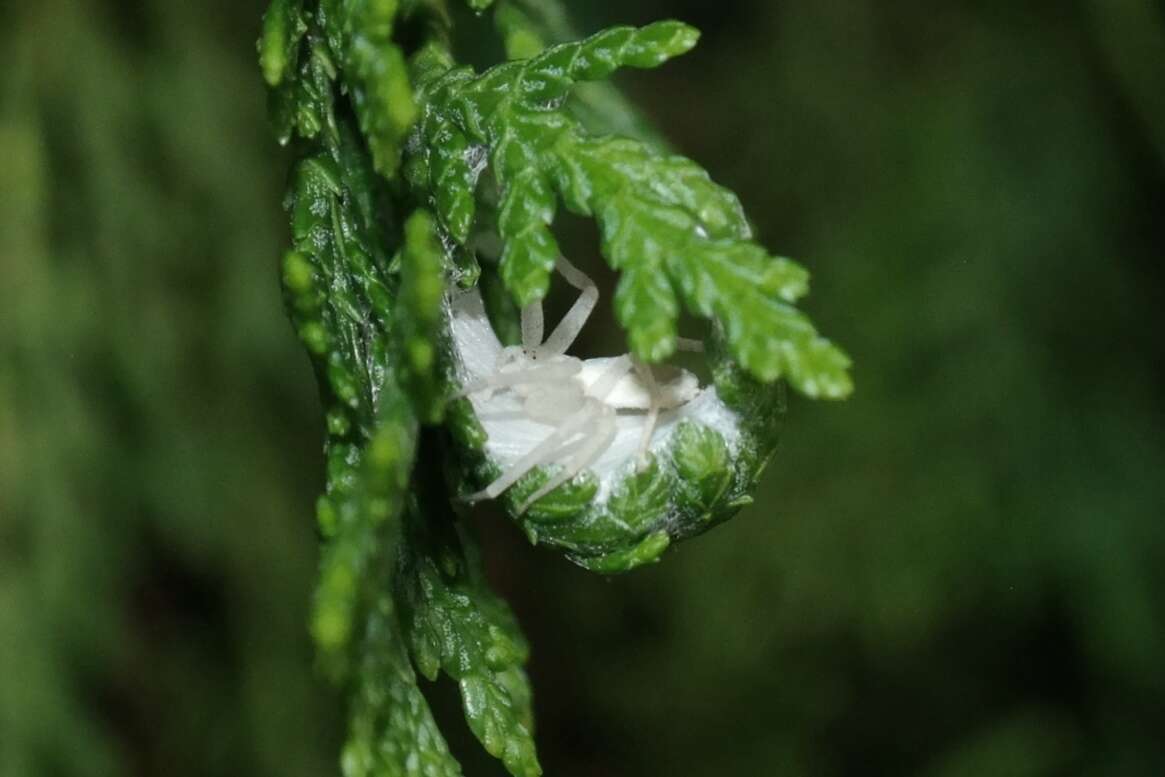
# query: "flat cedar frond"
(671, 232)
(456, 625)
(611, 461)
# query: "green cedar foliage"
(486, 158)
(669, 230)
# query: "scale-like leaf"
(359, 33)
(419, 318)
(283, 26)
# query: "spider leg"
(594, 410)
(542, 453)
(572, 323)
(589, 448)
(552, 406)
(610, 377)
(648, 378)
(593, 442)
(539, 373)
(532, 326)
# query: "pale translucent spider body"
(541, 406)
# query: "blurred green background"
(960, 571)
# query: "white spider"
(541, 406)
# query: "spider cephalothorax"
(584, 406)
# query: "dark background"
(960, 571)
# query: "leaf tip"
(684, 38)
